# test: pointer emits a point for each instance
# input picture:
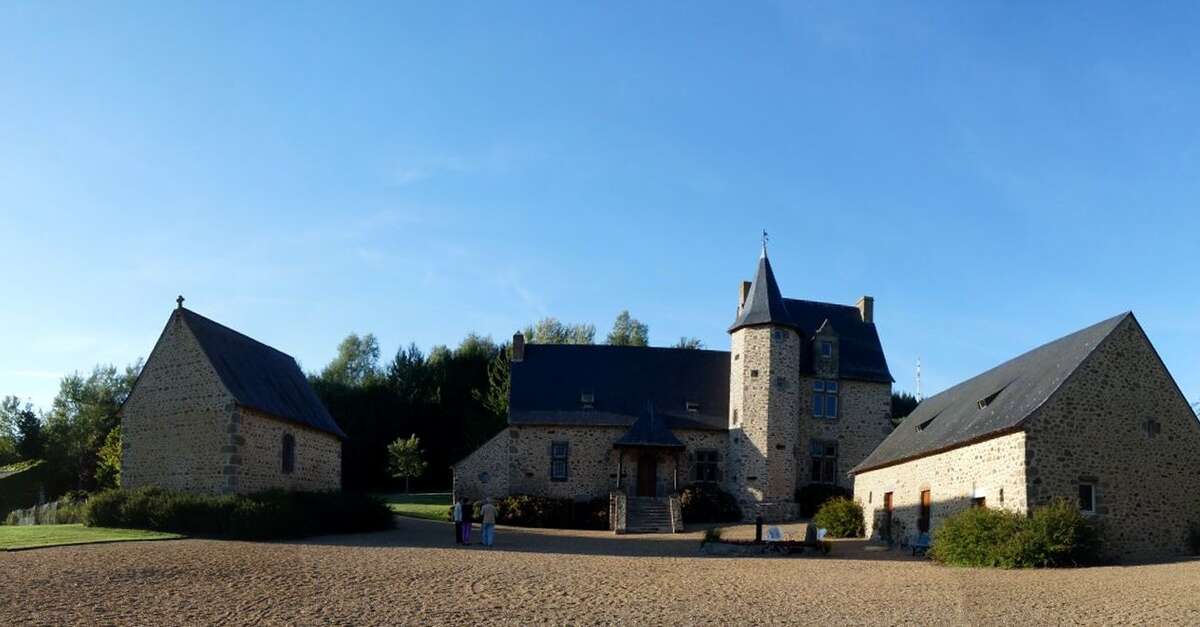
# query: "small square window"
(827, 349)
(781, 382)
(1087, 498)
(753, 373)
(831, 387)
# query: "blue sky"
(995, 174)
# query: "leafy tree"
(689, 342)
(628, 331)
(408, 375)
(11, 413)
(356, 363)
(108, 466)
(30, 444)
(903, 404)
(551, 331)
(406, 460)
(495, 395)
(80, 418)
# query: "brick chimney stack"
(518, 347)
(866, 308)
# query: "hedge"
(524, 510)
(708, 503)
(267, 515)
(1053, 535)
(812, 496)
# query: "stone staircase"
(649, 515)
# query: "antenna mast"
(919, 399)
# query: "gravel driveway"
(414, 575)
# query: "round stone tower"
(764, 401)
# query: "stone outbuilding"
(1094, 417)
(215, 411)
(803, 396)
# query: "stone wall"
(864, 420)
(1121, 424)
(174, 424)
(764, 388)
(993, 469)
(484, 473)
(517, 461)
(256, 461)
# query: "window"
(826, 348)
(987, 400)
(558, 461)
(587, 399)
(289, 453)
(824, 461)
(825, 399)
(706, 466)
(1152, 427)
(979, 501)
(777, 334)
(926, 512)
(753, 373)
(1087, 498)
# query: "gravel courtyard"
(414, 575)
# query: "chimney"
(742, 294)
(518, 347)
(866, 307)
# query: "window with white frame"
(558, 461)
(825, 399)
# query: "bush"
(708, 503)
(524, 510)
(1053, 535)
(812, 496)
(262, 516)
(840, 517)
(711, 535)
(1193, 538)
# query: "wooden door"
(926, 506)
(647, 475)
(886, 532)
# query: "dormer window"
(826, 348)
(692, 407)
(923, 425)
(987, 400)
(587, 400)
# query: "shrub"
(711, 535)
(1053, 535)
(261, 516)
(524, 510)
(840, 517)
(708, 503)
(1193, 538)
(974, 537)
(812, 496)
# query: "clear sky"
(995, 174)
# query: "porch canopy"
(649, 431)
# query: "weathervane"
(765, 237)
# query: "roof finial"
(765, 237)
(179, 301)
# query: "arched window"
(289, 453)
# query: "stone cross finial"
(179, 301)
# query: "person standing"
(456, 516)
(466, 521)
(489, 522)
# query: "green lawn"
(31, 536)
(429, 505)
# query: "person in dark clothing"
(456, 516)
(466, 521)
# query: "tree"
(11, 414)
(551, 331)
(689, 342)
(499, 373)
(108, 466)
(29, 441)
(628, 331)
(406, 460)
(903, 404)
(356, 363)
(82, 414)
(408, 375)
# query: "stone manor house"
(802, 397)
(215, 411)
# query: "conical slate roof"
(764, 304)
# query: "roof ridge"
(619, 347)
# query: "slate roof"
(1021, 385)
(764, 304)
(547, 385)
(649, 431)
(258, 376)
